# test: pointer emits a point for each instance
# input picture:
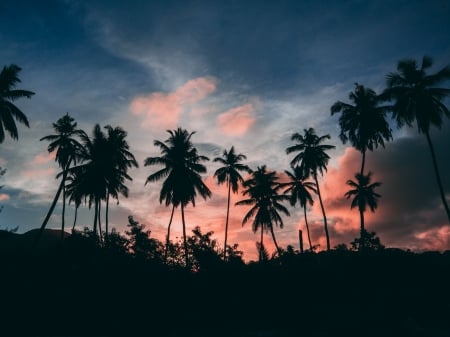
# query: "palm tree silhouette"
(8, 94)
(364, 123)
(312, 159)
(120, 160)
(364, 195)
(298, 190)
(68, 151)
(229, 173)
(182, 169)
(262, 188)
(417, 98)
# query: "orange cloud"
(237, 121)
(162, 110)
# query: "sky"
(246, 74)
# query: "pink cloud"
(39, 173)
(237, 121)
(162, 110)
(4, 197)
(43, 158)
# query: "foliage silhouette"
(229, 174)
(8, 94)
(364, 123)
(418, 99)
(263, 189)
(182, 169)
(363, 194)
(312, 159)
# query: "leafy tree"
(417, 98)
(262, 190)
(182, 169)
(364, 123)
(312, 159)
(229, 174)
(8, 94)
(363, 194)
(68, 151)
(140, 243)
(299, 189)
(369, 241)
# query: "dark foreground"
(94, 293)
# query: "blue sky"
(242, 73)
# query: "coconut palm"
(181, 169)
(364, 123)
(262, 190)
(312, 159)
(363, 194)
(68, 151)
(298, 189)
(417, 98)
(120, 160)
(8, 94)
(229, 174)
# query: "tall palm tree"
(8, 94)
(298, 189)
(120, 160)
(229, 174)
(312, 159)
(263, 189)
(68, 151)
(417, 98)
(364, 195)
(181, 169)
(364, 123)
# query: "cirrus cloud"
(237, 121)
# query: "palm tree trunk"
(106, 218)
(438, 177)
(262, 246)
(363, 162)
(75, 218)
(168, 235)
(99, 214)
(52, 207)
(95, 219)
(362, 239)
(275, 241)
(63, 215)
(307, 229)
(323, 212)
(226, 223)
(186, 257)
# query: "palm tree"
(363, 195)
(364, 123)
(312, 159)
(120, 160)
(417, 98)
(182, 169)
(8, 94)
(298, 190)
(68, 151)
(229, 173)
(262, 188)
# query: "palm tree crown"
(364, 123)
(8, 94)
(363, 192)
